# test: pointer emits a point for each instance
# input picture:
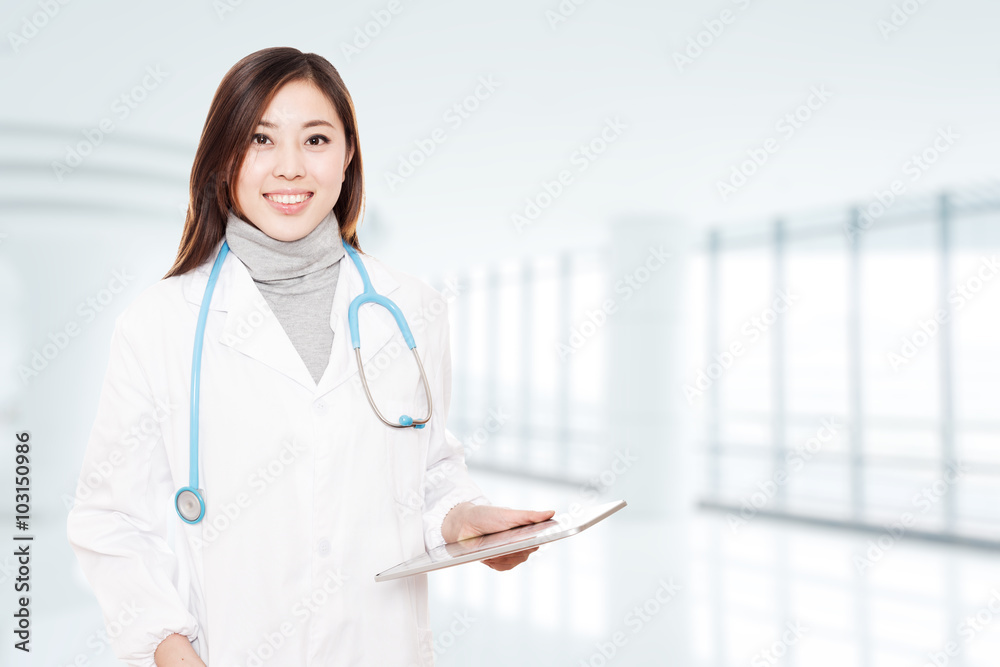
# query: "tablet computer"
(502, 543)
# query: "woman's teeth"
(289, 199)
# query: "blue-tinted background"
(812, 363)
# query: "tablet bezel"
(557, 528)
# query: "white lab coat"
(307, 494)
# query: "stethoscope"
(188, 500)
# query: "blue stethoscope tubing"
(188, 500)
(369, 295)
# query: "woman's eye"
(259, 139)
(317, 138)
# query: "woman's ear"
(347, 160)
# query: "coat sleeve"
(448, 480)
(118, 524)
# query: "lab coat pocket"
(396, 387)
(407, 457)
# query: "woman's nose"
(289, 162)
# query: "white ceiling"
(685, 130)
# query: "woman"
(307, 494)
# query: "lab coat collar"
(252, 328)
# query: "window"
(872, 397)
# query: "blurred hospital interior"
(736, 263)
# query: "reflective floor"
(642, 591)
(767, 593)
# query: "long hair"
(237, 108)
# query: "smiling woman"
(291, 470)
(292, 175)
(279, 118)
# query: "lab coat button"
(323, 547)
(321, 408)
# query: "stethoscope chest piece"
(190, 505)
(188, 500)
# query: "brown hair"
(238, 106)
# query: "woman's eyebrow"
(311, 123)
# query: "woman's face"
(293, 171)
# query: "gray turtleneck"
(297, 279)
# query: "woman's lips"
(288, 203)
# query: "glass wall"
(851, 371)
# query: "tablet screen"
(502, 543)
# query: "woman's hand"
(467, 520)
(176, 650)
